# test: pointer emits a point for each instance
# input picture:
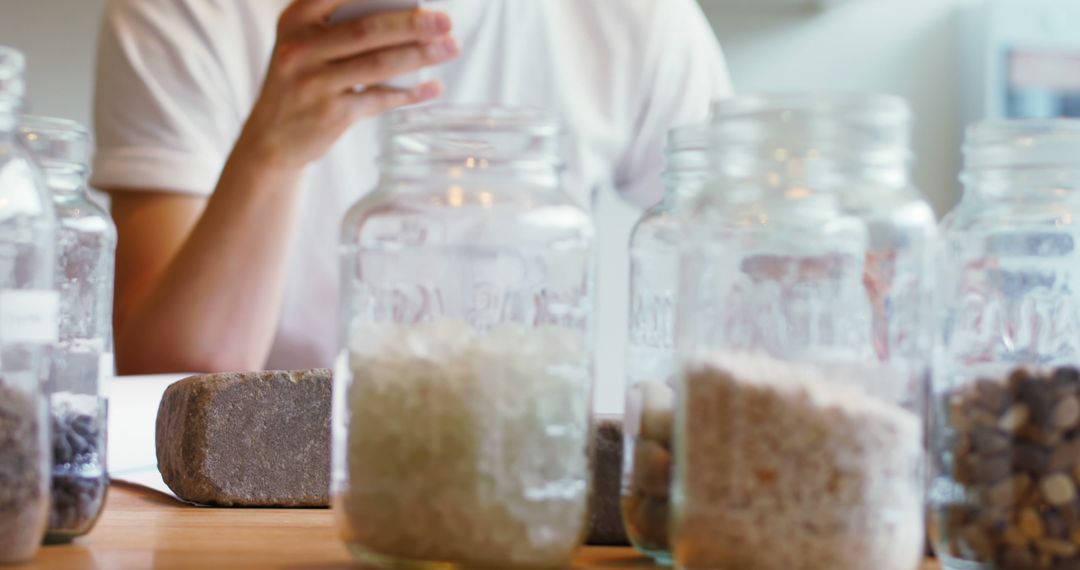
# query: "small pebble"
(1066, 413)
(1059, 548)
(1058, 489)
(1067, 376)
(1014, 537)
(1030, 458)
(979, 543)
(658, 409)
(1018, 557)
(990, 441)
(1031, 526)
(1065, 456)
(1040, 397)
(993, 468)
(1054, 526)
(1015, 418)
(992, 395)
(1003, 493)
(652, 469)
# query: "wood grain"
(142, 529)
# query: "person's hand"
(310, 96)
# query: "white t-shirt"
(178, 78)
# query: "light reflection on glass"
(456, 196)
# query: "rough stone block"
(247, 440)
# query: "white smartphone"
(360, 8)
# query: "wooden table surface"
(143, 529)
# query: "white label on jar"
(106, 372)
(29, 316)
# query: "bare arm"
(200, 280)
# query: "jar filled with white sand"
(463, 390)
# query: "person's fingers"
(302, 15)
(379, 31)
(381, 66)
(377, 100)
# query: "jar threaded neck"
(811, 145)
(475, 136)
(1021, 158)
(62, 148)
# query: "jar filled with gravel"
(462, 394)
(24, 471)
(803, 321)
(28, 328)
(1006, 387)
(651, 362)
(82, 362)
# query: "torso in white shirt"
(602, 65)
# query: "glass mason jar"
(652, 363)
(28, 328)
(82, 363)
(463, 392)
(801, 329)
(1006, 384)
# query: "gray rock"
(247, 440)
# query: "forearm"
(216, 305)
(200, 282)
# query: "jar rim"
(1005, 144)
(688, 137)
(871, 129)
(57, 143)
(532, 120)
(864, 108)
(486, 135)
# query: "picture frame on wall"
(1021, 59)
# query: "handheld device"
(361, 8)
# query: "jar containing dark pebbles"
(1006, 387)
(82, 362)
(79, 479)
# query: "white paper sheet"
(133, 407)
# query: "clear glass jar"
(799, 432)
(652, 363)
(1006, 384)
(28, 328)
(82, 363)
(463, 393)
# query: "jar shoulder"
(660, 227)
(972, 215)
(80, 214)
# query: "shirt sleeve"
(685, 72)
(164, 110)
